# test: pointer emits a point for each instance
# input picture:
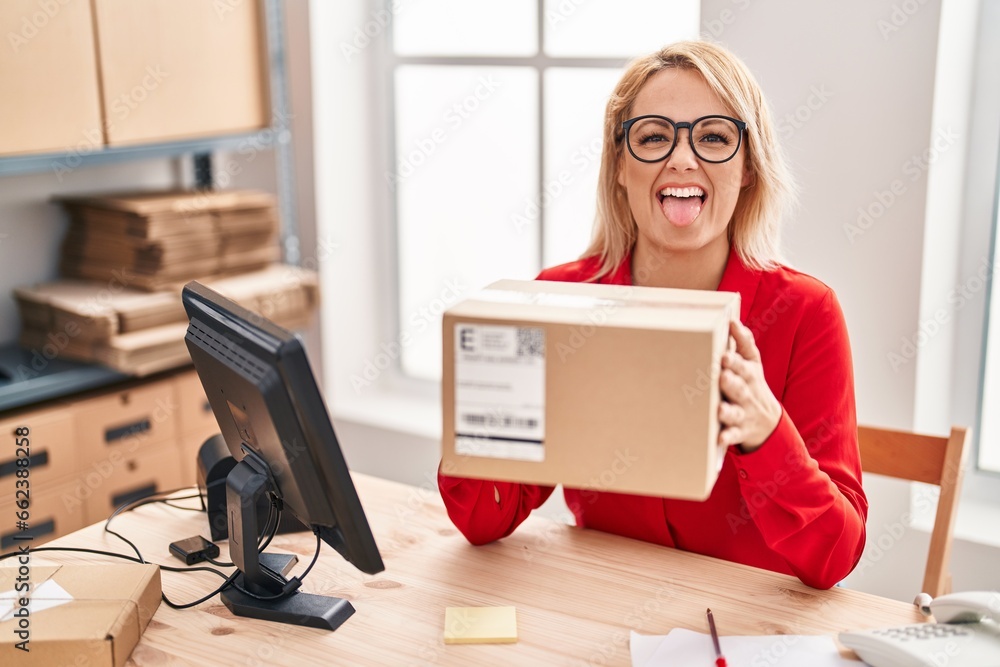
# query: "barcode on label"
(530, 342)
(496, 422)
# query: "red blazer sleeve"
(484, 510)
(804, 482)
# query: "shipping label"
(500, 391)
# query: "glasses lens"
(715, 139)
(651, 138)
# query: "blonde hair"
(754, 230)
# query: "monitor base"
(313, 611)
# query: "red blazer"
(795, 505)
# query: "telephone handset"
(966, 634)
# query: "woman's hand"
(752, 413)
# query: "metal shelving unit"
(64, 378)
(277, 137)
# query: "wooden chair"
(928, 459)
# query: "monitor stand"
(264, 574)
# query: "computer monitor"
(260, 386)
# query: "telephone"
(966, 634)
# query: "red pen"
(719, 660)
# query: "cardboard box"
(177, 69)
(140, 332)
(54, 511)
(604, 387)
(107, 609)
(50, 97)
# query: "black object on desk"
(214, 465)
(32, 376)
(266, 402)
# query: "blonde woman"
(692, 187)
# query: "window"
(989, 416)
(975, 296)
(495, 141)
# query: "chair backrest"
(928, 459)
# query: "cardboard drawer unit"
(196, 423)
(52, 447)
(194, 411)
(147, 471)
(603, 387)
(54, 511)
(121, 423)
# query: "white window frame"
(980, 229)
(540, 62)
(399, 402)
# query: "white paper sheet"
(46, 595)
(685, 647)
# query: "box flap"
(612, 305)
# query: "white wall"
(898, 77)
(853, 86)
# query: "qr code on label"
(531, 342)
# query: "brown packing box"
(205, 65)
(111, 607)
(50, 99)
(603, 387)
(141, 332)
(165, 238)
(175, 202)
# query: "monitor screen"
(270, 412)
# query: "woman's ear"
(748, 177)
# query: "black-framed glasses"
(713, 138)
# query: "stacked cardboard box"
(163, 239)
(141, 332)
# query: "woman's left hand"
(752, 413)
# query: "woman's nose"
(682, 157)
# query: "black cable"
(270, 529)
(152, 498)
(179, 507)
(138, 502)
(187, 605)
(293, 584)
(315, 558)
(218, 563)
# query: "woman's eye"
(652, 139)
(715, 138)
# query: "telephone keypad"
(924, 631)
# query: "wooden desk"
(577, 593)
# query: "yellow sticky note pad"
(480, 625)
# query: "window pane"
(574, 113)
(467, 155)
(989, 418)
(466, 27)
(617, 28)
